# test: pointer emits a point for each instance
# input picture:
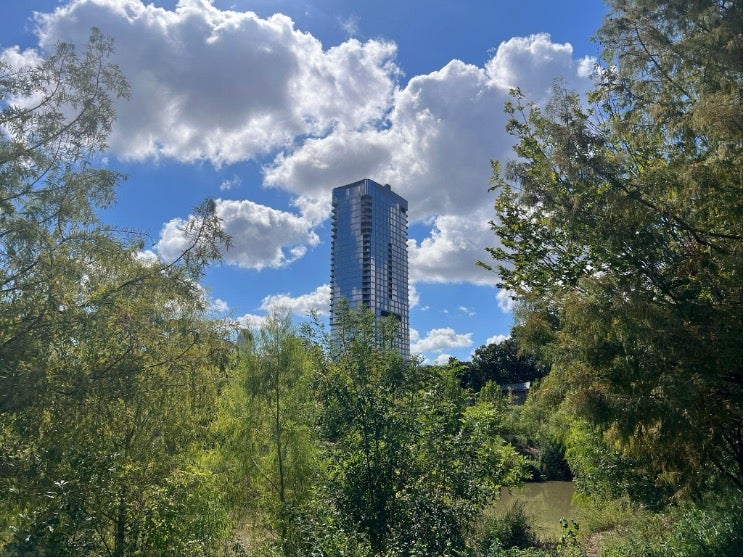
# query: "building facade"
(369, 257)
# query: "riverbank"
(550, 518)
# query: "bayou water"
(544, 502)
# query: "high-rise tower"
(369, 258)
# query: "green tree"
(49, 192)
(410, 462)
(109, 365)
(501, 363)
(620, 229)
(267, 428)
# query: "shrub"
(712, 527)
(511, 530)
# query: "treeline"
(502, 363)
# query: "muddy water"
(545, 502)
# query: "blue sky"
(266, 106)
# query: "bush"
(316, 528)
(511, 530)
(712, 527)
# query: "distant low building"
(517, 393)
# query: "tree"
(501, 363)
(109, 364)
(410, 463)
(267, 433)
(49, 189)
(620, 230)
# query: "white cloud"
(587, 67)
(496, 339)
(261, 236)
(226, 85)
(413, 295)
(438, 340)
(532, 63)
(350, 25)
(442, 359)
(318, 301)
(173, 240)
(13, 56)
(505, 300)
(443, 129)
(435, 152)
(314, 210)
(146, 257)
(450, 251)
(251, 321)
(219, 306)
(466, 310)
(230, 183)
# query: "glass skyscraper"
(369, 257)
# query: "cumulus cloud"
(17, 58)
(442, 130)
(496, 339)
(302, 305)
(219, 85)
(450, 251)
(226, 85)
(439, 340)
(532, 63)
(434, 152)
(261, 236)
(442, 359)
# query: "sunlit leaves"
(109, 367)
(411, 463)
(620, 227)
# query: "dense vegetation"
(109, 366)
(620, 229)
(132, 422)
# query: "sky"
(266, 105)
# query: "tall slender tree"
(280, 413)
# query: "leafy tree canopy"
(109, 365)
(410, 462)
(501, 363)
(620, 228)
